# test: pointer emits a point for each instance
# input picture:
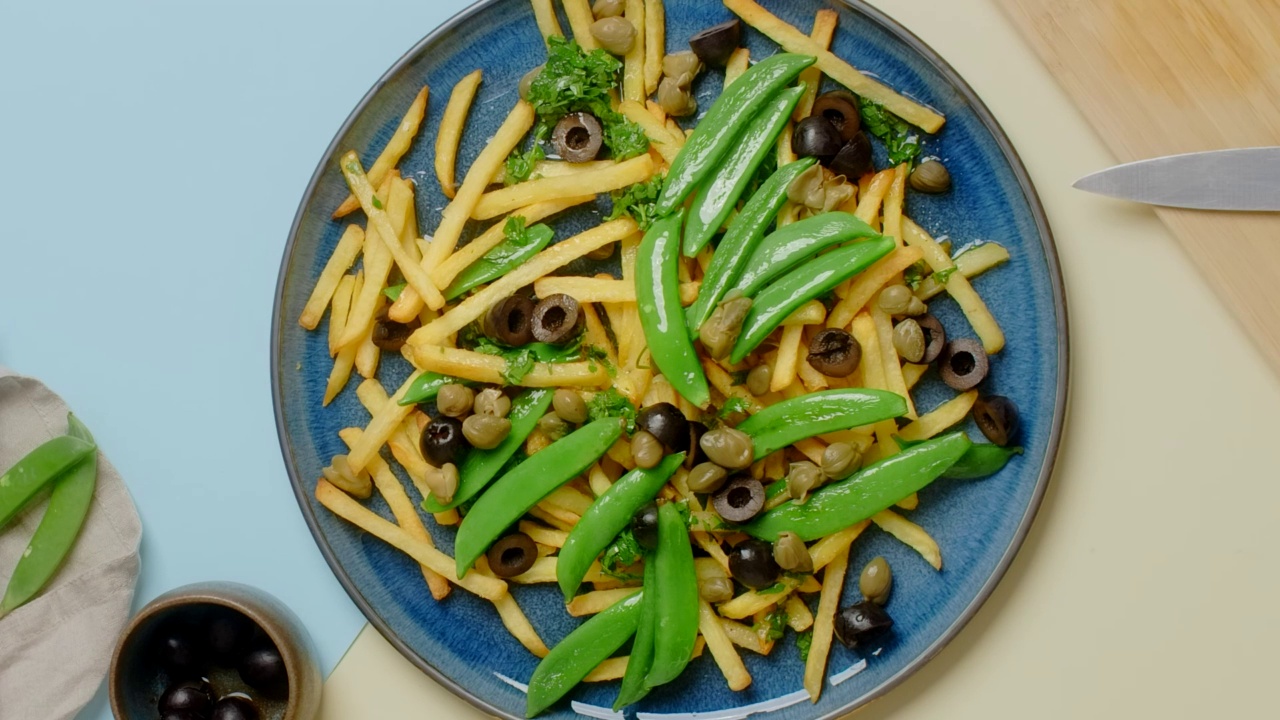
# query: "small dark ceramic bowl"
(137, 680)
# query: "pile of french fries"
(392, 252)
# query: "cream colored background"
(1148, 586)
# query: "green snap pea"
(513, 494)
(724, 122)
(56, 535)
(816, 277)
(980, 461)
(662, 316)
(792, 244)
(641, 660)
(427, 386)
(787, 422)
(741, 239)
(37, 469)
(607, 517)
(676, 621)
(479, 467)
(590, 644)
(719, 193)
(502, 259)
(876, 487)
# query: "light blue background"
(153, 157)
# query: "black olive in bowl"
(715, 44)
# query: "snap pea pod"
(33, 472)
(980, 461)
(865, 493)
(502, 259)
(590, 644)
(479, 467)
(662, 316)
(792, 244)
(607, 517)
(785, 423)
(56, 535)
(719, 193)
(741, 239)
(633, 688)
(427, 386)
(724, 122)
(513, 494)
(676, 621)
(816, 277)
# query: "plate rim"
(1061, 396)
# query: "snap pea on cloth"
(55, 650)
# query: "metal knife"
(1245, 179)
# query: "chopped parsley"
(638, 201)
(517, 238)
(734, 405)
(942, 276)
(520, 361)
(520, 164)
(393, 292)
(775, 624)
(914, 275)
(804, 641)
(620, 556)
(899, 138)
(611, 403)
(774, 589)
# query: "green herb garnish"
(914, 275)
(804, 641)
(611, 403)
(619, 557)
(942, 276)
(901, 140)
(734, 405)
(393, 292)
(776, 624)
(638, 201)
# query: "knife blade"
(1243, 179)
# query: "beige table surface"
(1148, 586)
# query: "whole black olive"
(997, 418)
(191, 699)
(443, 441)
(179, 653)
(510, 321)
(235, 707)
(963, 364)
(715, 44)
(644, 526)
(263, 670)
(694, 453)
(935, 337)
(854, 159)
(512, 555)
(740, 500)
(578, 137)
(665, 422)
(815, 137)
(390, 335)
(835, 353)
(557, 319)
(840, 108)
(229, 636)
(751, 563)
(862, 623)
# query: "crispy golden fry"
(654, 129)
(633, 62)
(970, 263)
(815, 668)
(346, 358)
(367, 354)
(549, 519)
(596, 335)
(543, 535)
(944, 416)
(545, 15)
(786, 156)
(385, 423)
(983, 322)
(911, 374)
(822, 552)
(600, 290)
(343, 257)
(478, 367)
(865, 286)
(599, 480)
(722, 381)
(598, 601)
(580, 20)
(569, 498)
(612, 177)
(450, 132)
(567, 517)
(371, 395)
(517, 623)
(869, 202)
(893, 203)
(910, 502)
(738, 63)
(555, 168)
(377, 262)
(824, 29)
(677, 132)
(890, 363)
(655, 43)
(798, 616)
(745, 637)
(396, 147)
(784, 369)
(810, 313)
(812, 379)
(911, 534)
(864, 329)
(721, 647)
(341, 309)
(792, 40)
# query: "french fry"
(911, 534)
(346, 358)
(677, 132)
(893, 203)
(633, 62)
(341, 309)
(944, 416)
(545, 15)
(580, 20)
(738, 63)
(598, 601)
(481, 368)
(517, 623)
(815, 668)
(599, 480)
(745, 637)
(377, 262)
(396, 147)
(890, 363)
(567, 518)
(784, 369)
(612, 177)
(450, 132)
(384, 423)
(824, 30)
(786, 156)
(655, 43)
(544, 535)
(565, 496)
(822, 553)
(910, 502)
(812, 379)
(655, 129)
(555, 522)
(792, 40)
(600, 290)
(866, 285)
(798, 616)
(810, 313)
(596, 335)
(721, 647)
(555, 168)
(549, 260)
(970, 263)
(722, 381)
(864, 329)
(958, 287)
(367, 354)
(869, 202)
(341, 260)
(912, 372)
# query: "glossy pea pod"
(513, 494)
(661, 314)
(56, 535)
(719, 193)
(502, 259)
(790, 245)
(606, 517)
(741, 239)
(724, 122)
(581, 651)
(814, 278)
(427, 386)
(641, 660)
(785, 423)
(479, 467)
(876, 487)
(37, 469)
(676, 622)
(980, 461)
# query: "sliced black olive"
(835, 353)
(963, 364)
(695, 454)
(644, 526)
(815, 137)
(751, 563)
(935, 337)
(235, 707)
(840, 108)
(192, 698)
(854, 159)
(556, 319)
(997, 418)
(229, 636)
(665, 422)
(391, 335)
(862, 623)
(715, 44)
(263, 669)
(443, 441)
(578, 137)
(512, 555)
(510, 321)
(179, 653)
(740, 500)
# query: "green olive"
(616, 35)
(608, 8)
(895, 299)
(840, 460)
(931, 176)
(569, 406)
(876, 581)
(758, 379)
(674, 96)
(803, 478)
(716, 589)
(443, 482)
(646, 450)
(729, 448)
(485, 431)
(526, 82)
(707, 477)
(492, 401)
(721, 330)
(679, 64)
(455, 400)
(791, 554)
(908, 340)
(553, 426)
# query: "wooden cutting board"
(1157, 77)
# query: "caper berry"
(485, 431)
(876, 581)
(804, 477)
(553, 426)
(729, 448)
(615, 34)
(721, 330)
(674, 96)
(896, 299)
(916, 307)
(569, 406)
(716, 589)
(646, 450)
(608, 8)
(492, 401)
(455, 400)
(840, 460)
(707, 477)
(931, 176)
(908, 340)
(443, 482)
(676, 65)
(758, 379)
(791, 554)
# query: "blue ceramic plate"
(979, 525)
